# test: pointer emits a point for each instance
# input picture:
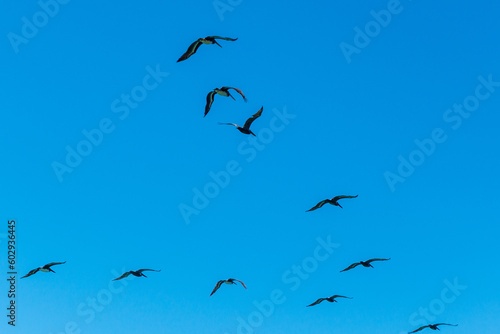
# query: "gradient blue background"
(119, 209)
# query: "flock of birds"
(224, 91)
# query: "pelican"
(333, 201)
(224, 91)
(137, 273)
(246, 128)
(227, 281)
(434, 327)
(207, 40)
(45, 269)
(363, 263)
(328, 299)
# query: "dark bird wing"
(234, 279)
(336, 198)
(217, 286)
(224, 38)
(317, 302)
(236, 89)
(32, 272)
(122, 276)
(339, 296)
(319, 205)
(47, 266)
(419, 329)
(444, 324)
(141, 270)
(210, 100)
(253, 118)
(371, 260)
(354, 265)
(190, 51)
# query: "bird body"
(46, 268)
(246, 127)
(137, 273)
(226, 281)
(333, 201)
(328, 299)
(223, 91)
(363, 263)
(434, 327)
(206, 40)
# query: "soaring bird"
(137, 273)
(333, 201)
(224, 91)
(363, 263)
(328, 299)
(45, 269)
(434, 327)
(207, 40)
(227, 281)
(246, 128)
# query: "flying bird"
(227, 281)
(224, 91)
(137, 273)
(333, 201)
(328, 299)
(207, 40)
(246, 128)
(46, 268)
(364, 264)
(434, 327)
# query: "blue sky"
(408, 122)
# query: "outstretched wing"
(339, 296)
(122, 276)
(253, 118)
(336, 198)
(419, 329)
(234, 279)
(444, 324)
(354, 265)
(224, 38)
(32, 272)
(190, 51)
(236, 125)
(217, 286)
(317, 302)
(47, 266)
(236, 89)
(210, 100)
(371, 260)
(319, 205)
(141, 270)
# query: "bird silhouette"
(328, 299)
(137, 273)
(246, 128)
(434, 327)
(224, 91)
(207, 40)
(333, 201)
(364, 264)
(46, 268)
(227, 281)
